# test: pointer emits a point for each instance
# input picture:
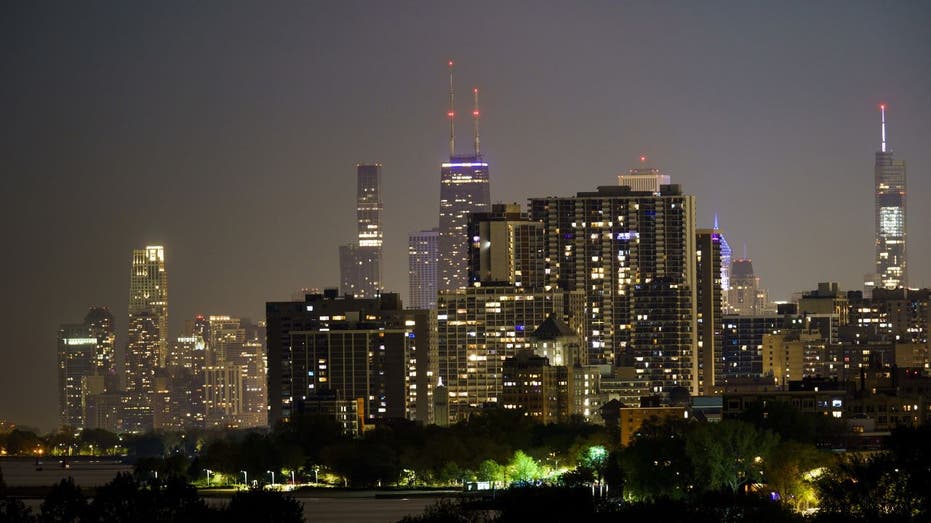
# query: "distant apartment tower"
(890, 217)
(422, 268)
(361, 262)
(710, 328)
(464, 189)
(632, 253)
(148, 292)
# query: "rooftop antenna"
(475, 116)
(716, 221)
(745, 251)
(451, 114)
(882, 108)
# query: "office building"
(148, 292)
(745, 296)
(361, 261)
(464, 189)
(77, 351)
(422, 253)
(890, 217)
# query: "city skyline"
(742, 152)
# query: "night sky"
(229, 132)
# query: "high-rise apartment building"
(331, 348)
(464, 189)
(142, 348)
(632, 253)
(890, 217)
(710, 329)
(506, 247)
(479, 327)
(360, 262)
(99, 322)
(148, 292)
(422, 268)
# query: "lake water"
(326, 507)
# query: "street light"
(208, 472)
(272, 472)
(245, 477)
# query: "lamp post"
(245, 476)
(272, 472)
(208, 472)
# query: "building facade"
(628, 252)
(890, 217)
(361, 261)
(422, 253)
(464, 189)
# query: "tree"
(869, 489)
(656, 466)
(728, 454)
(788, 471)
(523, 469)
(64, 503)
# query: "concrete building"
(353, 348)
(422, 255)
(628, 251)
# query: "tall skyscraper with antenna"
(464, 189)
(889, 177)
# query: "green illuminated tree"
(728, 454)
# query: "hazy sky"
(228, 132)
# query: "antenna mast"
(882, 108)
(475, 117)
(451, 114)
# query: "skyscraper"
(148, 292)
(360, 262)
(710, 330)
(421, 268)
(889, 177)
(464, 188)
(76, 363)
(141, 364)
(633, 255)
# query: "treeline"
(128, 500)
(491, 446)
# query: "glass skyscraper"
(891, 265)
(464, 189)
